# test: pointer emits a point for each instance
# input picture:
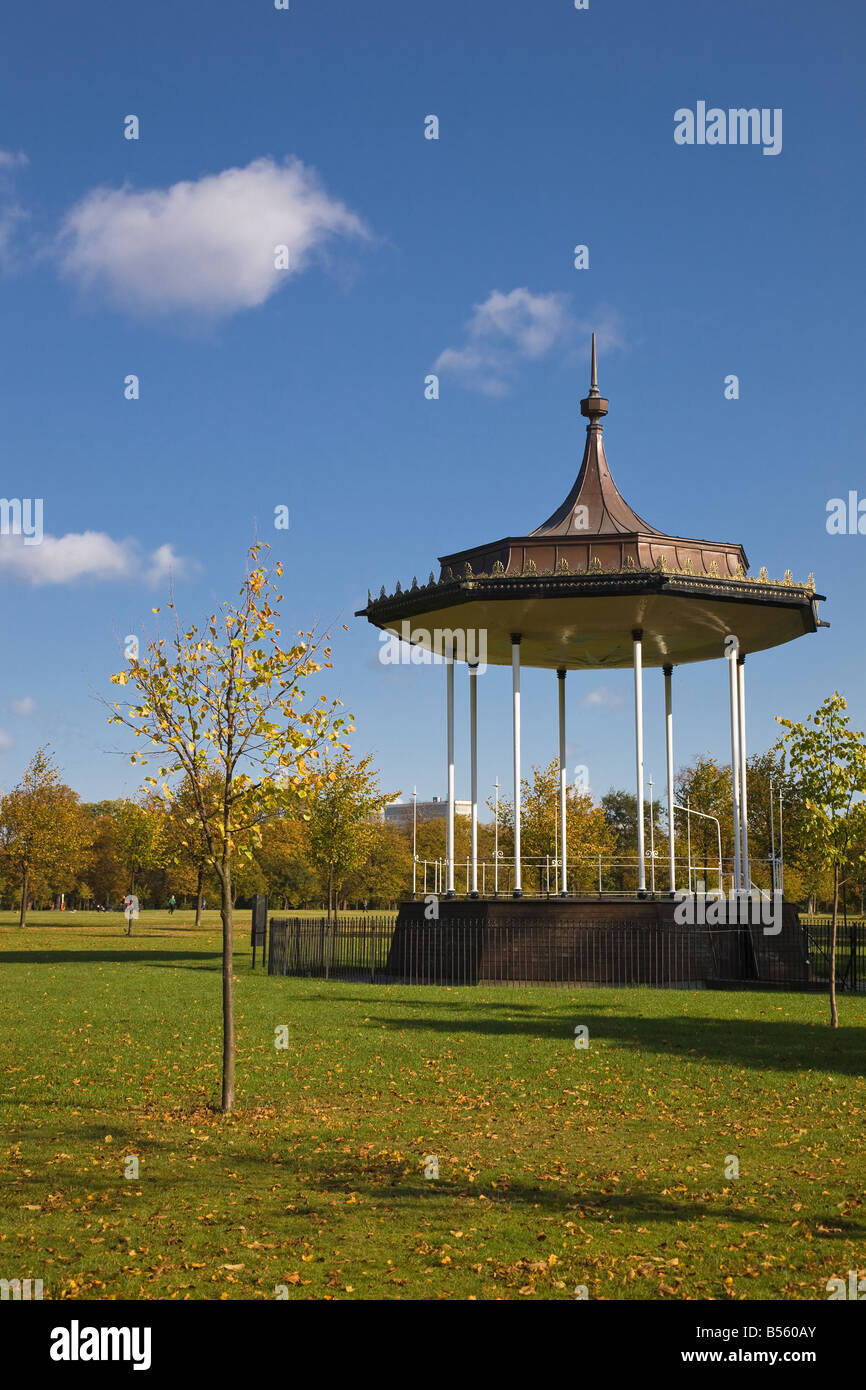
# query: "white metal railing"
(585, 875)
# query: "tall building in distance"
(400, 812)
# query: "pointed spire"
(594, 507)
(594, 406)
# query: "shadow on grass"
(305, 1181)
(775, 1045)
(120, 956)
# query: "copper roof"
(579, 585)
(607, 512)
(595, 525)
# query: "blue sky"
(307, 388)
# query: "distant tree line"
(332, 850)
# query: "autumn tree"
(705, 787)
(430, 840)
(247, 879)
(430, 837)
(828, 759)
(229, 699)
(769, 782)
(107, 874)
(284, 858)
(340, 819)
(385, 875)
(186, 845)
(620, 813)
(139, 838)
(45, 835)
(588, 833)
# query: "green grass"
(557, 1167)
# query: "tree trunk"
(228, 1087)
(22, 919)
(198, 893)
(834, 1015)
(330, 893)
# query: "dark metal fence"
(376, 948)
(353, 949)
(850, 952)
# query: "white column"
(744, 767)
(496, 845)
(669, 759)
(563, 777)
(515, 689)
(473, 771)
(735, 767)
(773, 860)
(414, 838)
(449, 825)
(637, 638)
(652, 840)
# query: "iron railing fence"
(589, 875)
(618, 952)
(850, 952)
(351, 948)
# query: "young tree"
(45, 835)
(229, 700)
(340, 819)
(828, 759)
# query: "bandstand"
(595, 587)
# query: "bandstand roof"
(579, 585)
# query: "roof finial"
(594, 405)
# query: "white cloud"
(6, 740)
(503, 332)
(603, 698)
(508, 330)
(85, 555)
(26, 705)
(8, 160)
(164, 564)
(205, 247)
(607, 325)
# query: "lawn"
(558, 1167)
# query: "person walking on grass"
(172, 904)
(130, 911)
